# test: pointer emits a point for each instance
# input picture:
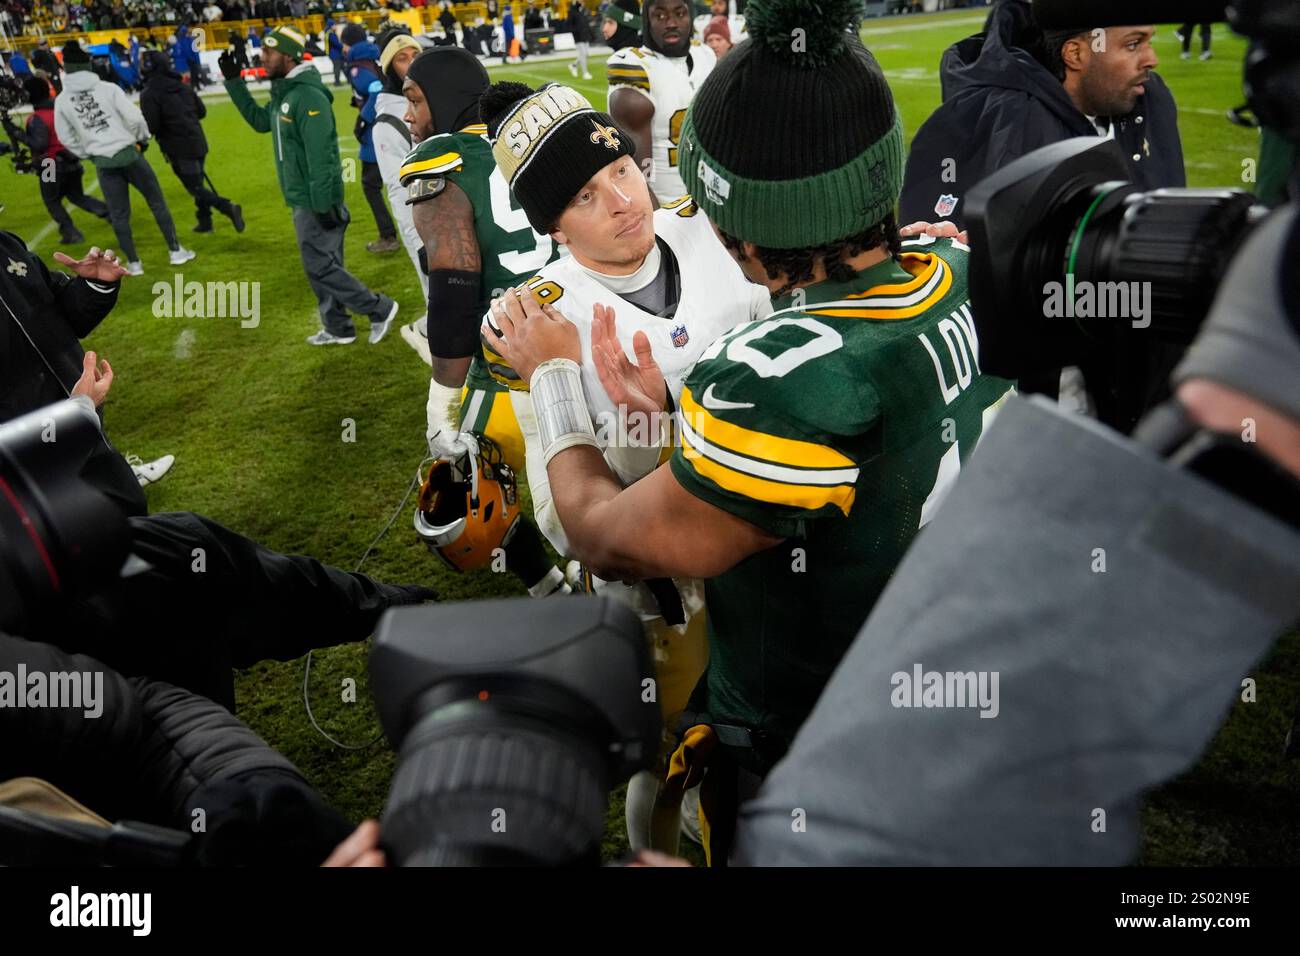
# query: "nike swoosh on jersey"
(720, 404)
(313, 112)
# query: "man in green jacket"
(300, 118)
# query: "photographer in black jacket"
(173, 111)
(1013, 89)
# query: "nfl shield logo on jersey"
(680, 336)
(946, 204)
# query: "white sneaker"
(379, 329)
(135, 268)
(181, 255)
(324, 337)
(412, 337)
(573, 69)
(1186, 55)
(1207, 55)
(586, 76)
(147, 472)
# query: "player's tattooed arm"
(445, 224)
(635, 113)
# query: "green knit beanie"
(829, 161)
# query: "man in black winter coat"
(1013, 89)
(173, 111)
(43, 315)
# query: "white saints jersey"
(714, 298)
(669, 83)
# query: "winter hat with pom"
(829, 162)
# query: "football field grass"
(257, 421)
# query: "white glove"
(443, 434)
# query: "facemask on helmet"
(468, 508)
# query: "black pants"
(212, 600)
(116, 183)
(339, 71)
(372, 184)
(1186, 31)
(190, 173)
(60, 181)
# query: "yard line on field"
(51, 226)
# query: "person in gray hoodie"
(97, 121)
(393, 141)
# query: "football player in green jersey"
(814, 443)
(476, 243)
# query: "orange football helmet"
(468, 508)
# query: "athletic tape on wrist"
(560, 407)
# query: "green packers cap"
(287, 40)
(793, 140)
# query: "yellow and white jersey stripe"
(932, 279)
(764, 467)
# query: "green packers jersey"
(509, 249)
(839, 424)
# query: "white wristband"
(560, 407)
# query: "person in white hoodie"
(393, 140)
(96, 121)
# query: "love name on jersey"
(956, 335)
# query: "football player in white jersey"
(572, 170)
(651, 86)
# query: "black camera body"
(58, 534)
(510, 739)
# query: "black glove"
(229, 68)
(359, 129)
(142, 146)
(331, 219)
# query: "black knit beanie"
(828, 162)
(37, 90)
(547, 144)
(74, 55)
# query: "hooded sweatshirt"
(97, 121)
(173, 110)
(1000, 103)
(300, 119)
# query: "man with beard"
(477, 242)
(650, 87)
(300, 117)
(1013, 89)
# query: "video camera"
(12, 96)
(1065, 219)
(513, 719)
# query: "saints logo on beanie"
(548, 143)
(828, 163)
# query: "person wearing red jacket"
(57, 169)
